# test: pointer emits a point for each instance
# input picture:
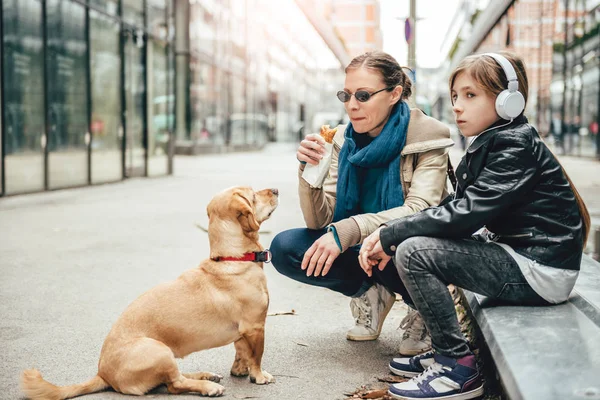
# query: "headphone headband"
(509, 71)
(510, 103)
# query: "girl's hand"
(371, 253)
(311, 149)
(321, 255)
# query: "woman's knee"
(284, 249)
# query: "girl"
(508, 182)
(389, 162)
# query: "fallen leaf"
(301, 344)
(392, 379)
(374, 394)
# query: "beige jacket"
(423, 167)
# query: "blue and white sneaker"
(411, 366)
(446, 378)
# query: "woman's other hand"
(321, 255)
(311, 149)
(371, 253)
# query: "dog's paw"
(213, 390)
(239, 371)
(215, 378)
(262, 379)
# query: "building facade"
(256, 74)
(87, 92)
(97, 91)
(559, 43)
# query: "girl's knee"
(408, 250)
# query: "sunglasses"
(360, 95)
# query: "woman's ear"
(397, 94)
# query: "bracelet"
(331, 228)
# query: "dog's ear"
(245, 213)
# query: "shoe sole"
(473, 394)
(353, 338)
(400, 372)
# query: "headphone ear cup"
(509, 104)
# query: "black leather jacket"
(510, 182)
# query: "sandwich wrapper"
(315, 175)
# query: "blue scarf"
(383, 153)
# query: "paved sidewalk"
(72, 260)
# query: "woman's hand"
(371, 253)
(311, 149)
(321, 255)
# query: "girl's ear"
(396, 94)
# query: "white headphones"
(510, 102)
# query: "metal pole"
(412, 45)
(539, 88)
(564, 76)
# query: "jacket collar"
(484, 137)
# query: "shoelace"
(418, 358)
(362, 309)
(434, 369)
(413, 325)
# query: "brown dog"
(222, 301)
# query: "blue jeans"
(345, 276)
(427, 265)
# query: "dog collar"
(256, 256)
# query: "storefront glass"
(106, 129)
(159, 109)
(135, 102)
(23, 114)
(133, 12)
(66, 65)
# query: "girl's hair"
(489, 76)
(391, 72)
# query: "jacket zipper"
(518, 235)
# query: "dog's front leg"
(242, 354)
(254, 342)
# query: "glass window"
(159, 109)
(107, 162)
(157, 18)
(133, 12)
(66, 61)
(205, 124)
(23, 75)
(109, 6)
(202, 29)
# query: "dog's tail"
(36, 388)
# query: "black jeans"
(345, 276)
(427, 265)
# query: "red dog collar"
(256, 256)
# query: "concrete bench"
(546, 353)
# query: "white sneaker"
(416, 338)
(369, 311)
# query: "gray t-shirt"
(552, 284)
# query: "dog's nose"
(275, 192)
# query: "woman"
(390, 161)
(508, 182)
